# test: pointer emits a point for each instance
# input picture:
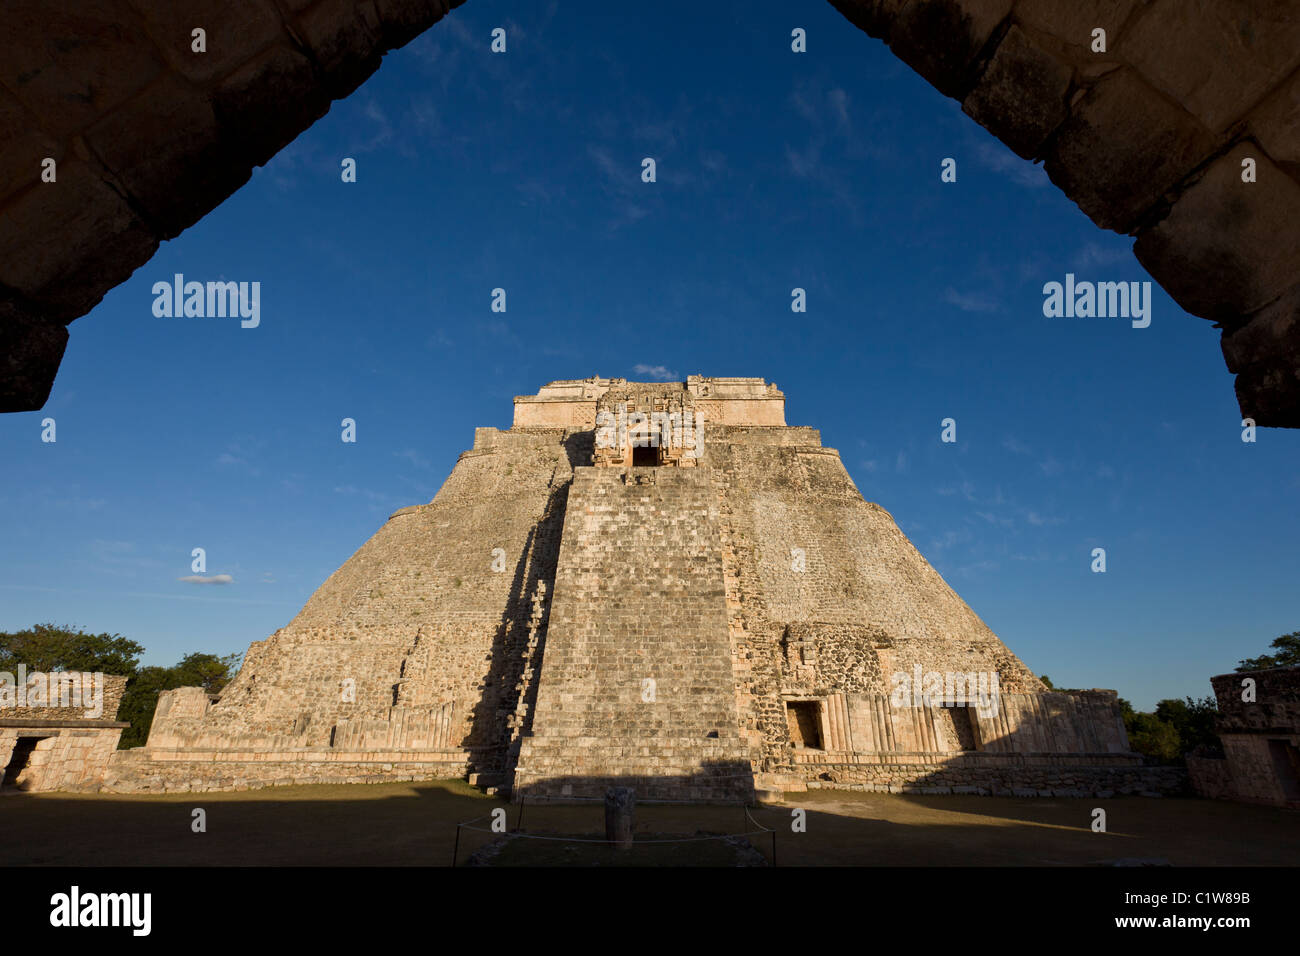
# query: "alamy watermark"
(1085, 300)
(977, 689)
(212, 300)
(73, 689)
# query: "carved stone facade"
(58, 746)
(560, 618)
(1259, 729)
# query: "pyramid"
(658, 584)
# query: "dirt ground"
(415, 824)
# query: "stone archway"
(1148, 136)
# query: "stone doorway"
(19, 761)
(805, 720)
(644, 456)
(1286, 764)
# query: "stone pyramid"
(660, 584)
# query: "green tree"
(1288, 654)
(49, 647)
(1193, 720)
(1153, 737)
(208, 671)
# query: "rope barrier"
(519, 834)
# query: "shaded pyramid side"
(417, 641)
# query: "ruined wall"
(71, 752)
(1148, 137)
(1260, 738)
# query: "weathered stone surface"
(875, 17)
(643, 628)
(1132, 143)
(164, 149)
(1265, 354)
(1177, 82)
(1122, 148)
(1021, 97)
(1217, 58)
(62, 244)
(280, 90)
(404, 20)
(1228, 247)
(55, 746)
(940, 39)
(344, 38)
(1276, 126)
(1072, 21)
(30, 352)
(235, 30)
(1260, 758)
(71, 63)
(168, 133)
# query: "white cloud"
(971, 301)
(999, 159)
(207, 579)
(657, 372)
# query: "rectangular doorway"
(805, 720)
(19, 761)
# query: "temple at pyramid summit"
(660, 585)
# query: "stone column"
(620, 816)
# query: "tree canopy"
(50, 647)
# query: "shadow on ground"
(415, 825)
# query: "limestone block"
(236, 30)
(1020, 99)
(30, 351)
(71, 62)
(1265, 354)
(163, 148)
(1275, 125)
(1074, 20)
(345, 40)
(268, 101)
(64, 244)
(875, 17)
(940, 39)
(25, 146)
(1122, 148)
(1227, 248)
(404, 20)
(1215, 57)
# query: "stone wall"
(70, 752)
(1148, 138)
(1259, 728)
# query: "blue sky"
(775, 170)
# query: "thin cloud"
(1000, 160)
(657, 372)
(971, 301)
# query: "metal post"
(519, 821)
(455, 850)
